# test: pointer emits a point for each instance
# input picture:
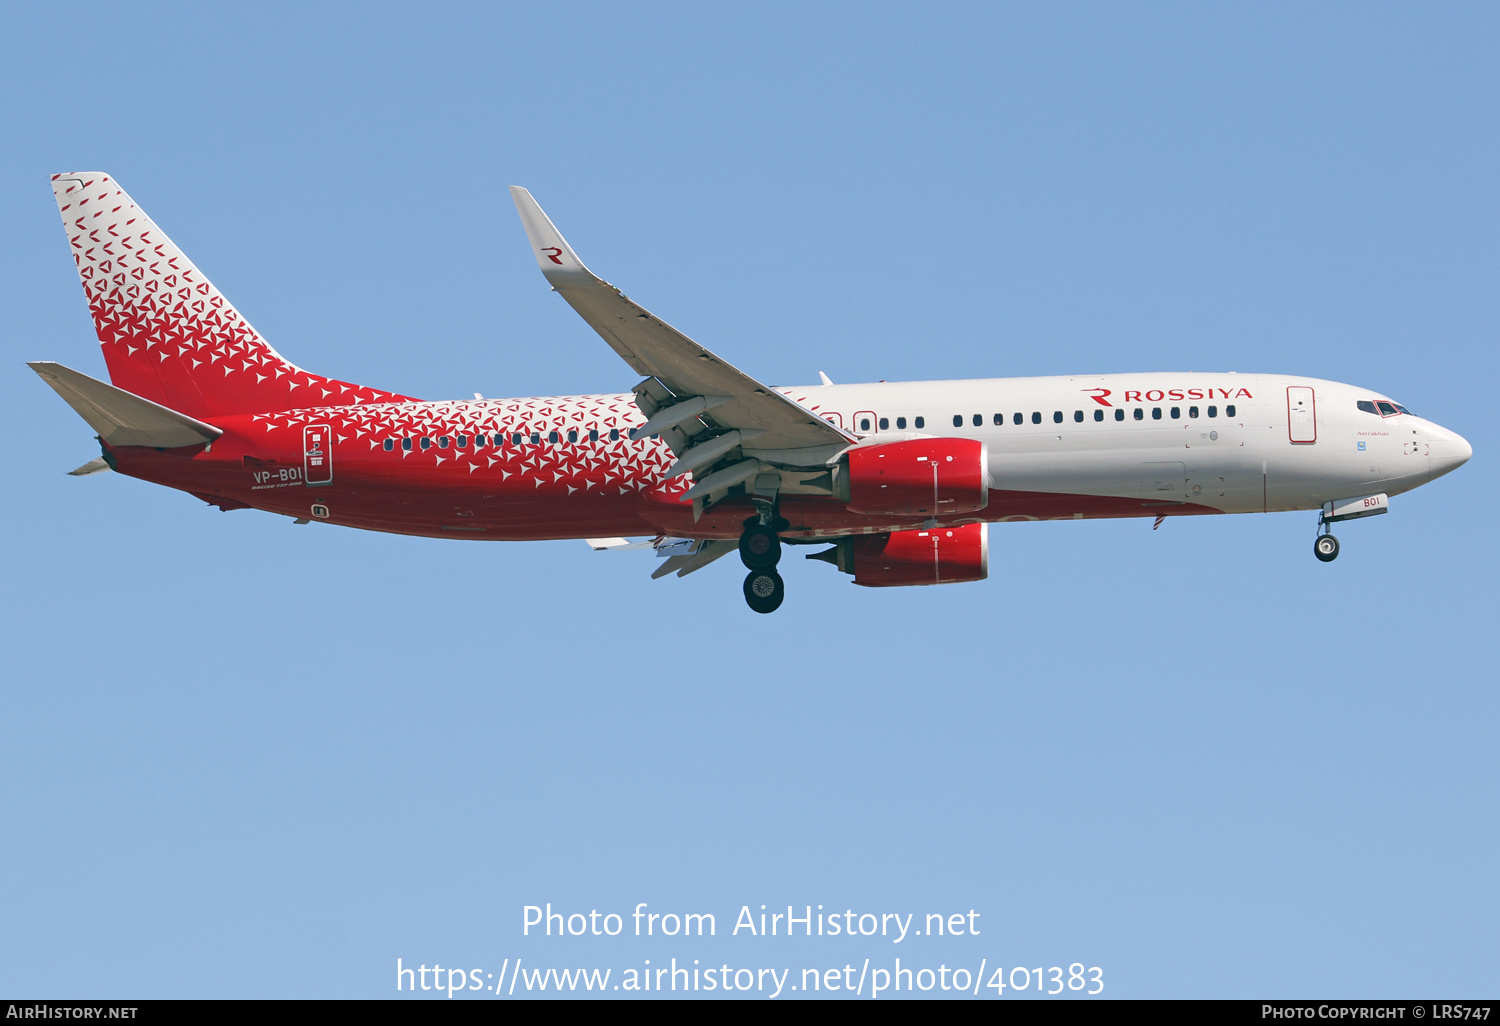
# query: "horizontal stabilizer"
(121, 417)
(682, 565)
(617, 544)
(93, 466)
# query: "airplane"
(896, 482)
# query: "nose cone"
(1447, 450)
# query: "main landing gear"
(760, 551)
(764, 590)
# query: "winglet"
(553, 254)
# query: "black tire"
(760, 549)
(1326, 548)
(764, 590)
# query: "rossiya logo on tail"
(1156, 395)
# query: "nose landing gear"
(1326, 547)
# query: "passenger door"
(1301, 415)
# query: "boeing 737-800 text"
(899, 480)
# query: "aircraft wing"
(702, 392)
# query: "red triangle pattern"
(599, 468)
(167, 334)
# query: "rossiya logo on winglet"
(554, 253)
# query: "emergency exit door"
(317, 454)
(1301, 415)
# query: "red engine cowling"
(929, 477)
(943, 555)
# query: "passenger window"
(552, 437)
(901, 423)
(1193, 412)
(1078, 416)
(593, 434)
(426, 443)
(1156, 413)
(1057, 416)
(536, 438)
(463, 441)
(443, 442)
(1139, 413)
(1036, 417)
(390, 443)
(515, 439)
(864, 423)
(1387, 409)
(921, 422)
(614, 434)
(999, 419)
(1098, 414)
(958, 420)
(1229, 411)
(1177, 413)
(1213, 411)
(1020, 418)
(572, 434)
(406, 444)
(1119, 415)
(978, 420)
(885, 423)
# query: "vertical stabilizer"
(168, 335)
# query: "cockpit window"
(1403, 409)
(1367, 407)
(1387, 409)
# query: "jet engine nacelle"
(929, 477)
(942, 555)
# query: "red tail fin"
(167, 333)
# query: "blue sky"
(244, 758)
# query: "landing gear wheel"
(1326, 548)
(764, 590)
(760, 549)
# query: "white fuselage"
(1235, 443)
